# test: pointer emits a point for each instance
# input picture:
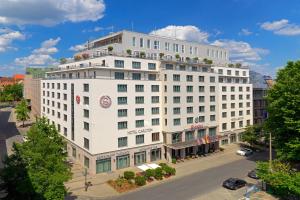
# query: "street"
(200, 185)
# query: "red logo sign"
(78, 99)
(105, 101)
(197, 126)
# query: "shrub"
(129, 175)
(158, 173)
(162, 164)
(120, 181)
(110, 48)
(140, 180)
(174, 160)
(149, 173)
(129, 51)
(172, 171)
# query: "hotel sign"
(196, 126)
(105, 101)
(145, 130)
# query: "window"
(224, 126)
(136, 65)
(220, 71)
(151, 66)
(86, 143)
(85, 87)
(155, 99)
(201, 88)
(248, 104)
(189, 136)
(58, 115)
(155, 88)
(122, 125)
(176, 77)
(240, 113)
(65, 96)
(122, 88)
(232, 97)
(141, 42)
(148, 44)
(224, 114)
(176, 137)
(189, 88)
(86, 162)
(201, 98)
(136, 76)
(122, 100)
(176, 88)
(201, 79)
(86, 126)
(232, 105)
(58, 86)
(139, 139)
(139, 123)
(189, 99)
(139, 88)
(176, 110)
(65, 118)
(237, 73)
(155, 137)
(122, 142)
(241, 89)
(119, 75)
(223, 88)
(182, 48)
(201, 133)
(86, 101)
(167, 46)
(244, 73)
(65, 86)
(189, 78)
(201, 109)
(212, 131)
(248, 112)
(139, 100)
(139, 111)
(169, 66)
(212, 79)
(240, 105)
(212, 98)
(248, 122)
(224, 97)
(155, 111)
(176, 122)
(212, 88)
(240, 124)
(248, 96)
(212, 108)
(122, 113)
(58, 95)
(155, 122)
(189, 120)
(86, 113)
(212, 118)
(228, 72)
(240, 97)
(152, 77)
(232, 113)
(176, 99)
(156, 44)
(65, 107)
(133, 41)
(58, 105)
(201, 118)
(189, 109)
(119, 63)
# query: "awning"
(143, 167)
(153, 165)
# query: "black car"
(252, 174)
(234, 183)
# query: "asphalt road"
(197, 184)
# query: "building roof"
(18, 77)
(260, 81)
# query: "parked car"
(234, 183)
(244, 152)
(252, 174)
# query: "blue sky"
(263, 34)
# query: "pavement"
(199, 178)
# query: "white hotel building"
(118, 110)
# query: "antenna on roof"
(131, 26)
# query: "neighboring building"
(5, 81)
(118, 110)
(32, 88)
(261, 84)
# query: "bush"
(162, 164)
(172, 171)
(120, 181)
(158, 173)
(129, 175)
(174, 160)
(149, 173)
(140, 180)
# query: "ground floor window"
(123, 161)
(86, 162)
(139, 158)
(240, 137)
(232, 138)
(74, 152)
(201, 149)
(224, 141)
(103, 165)
(189, 151)
(155, 154)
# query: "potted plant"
(110, 49)
(238, 65)
(77, 57)
(177, 56)
(161, 55)
(142, 54)
(230, 65)
(128, 51)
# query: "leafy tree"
(22, 111)
(284, 112)
(252, 134)
(38, 168)
(63, 61)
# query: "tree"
(63, 61)
(252, 134)
(38, 169)
(77, 57)
(284, 112)
(177, 56)
(110, 48)
(128, 51)
(22, 111)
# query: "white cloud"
(189, 33)
(50, 12)
(7, 36)
(245, 32)
(77, 47)
(42, 55)
(241, 51)
(282, 27)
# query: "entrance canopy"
(143, 167)
(153, 165)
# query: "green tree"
(40, 163)
(252, 134)
(284, 112)
(22, 111)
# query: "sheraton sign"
(145, 130)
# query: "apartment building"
(121, 108)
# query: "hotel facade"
(131, 98)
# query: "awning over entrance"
(233, 132)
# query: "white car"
(244, 152)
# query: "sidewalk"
(101, 189)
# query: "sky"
(262, 34)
